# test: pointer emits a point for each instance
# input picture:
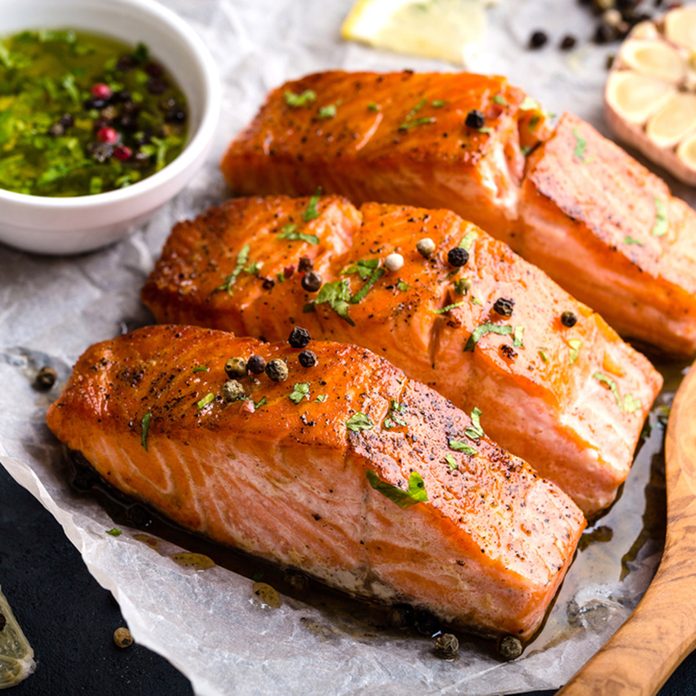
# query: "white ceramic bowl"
(71, 225)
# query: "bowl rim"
(196, 144)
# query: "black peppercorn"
(236, 367)
(457, 257)
(305, 264)
(538, 39)
(568, 42)
(504, 306)
(311, 281)
(299, 337)
(232, 390)
(446, 646)
(45, 378)
(277, 370)
(509, 648)
(256, 364)
(308, 358)
(475, 119)
(568, 319)
(604, 34)
(268, 284)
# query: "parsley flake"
(574, 345)
(363, 268)
(299, 392)
(114, 532)
(372, 106)
(462, 285)
(468, 239)
(402, 286)
(437, 103)
(459, 446)
(200, 368)
(451, 462)
(394, 418)
(205, 401)
(311, 212)
(483, 330)
(529, 104)
(414, 123)
(321, 398)
(415, 493)
(145, 429)
(500, 99)
(632, 240)
(580, 145)
(661, 223)
(475, 431)
(260, 403)
(290, 233)
(242, 259)
(543, 355)
(447, 308)
(359, 421)
(294, 100)
(337, 296)
(629, 403)
(328, 111)
(487, 130)
(518, 337)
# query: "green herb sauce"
(82, 114)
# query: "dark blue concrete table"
(70, 620)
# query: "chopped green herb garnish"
(529, 104)
(534, 122)
(328, 111)
(632, 240)
(145, 429)
(500, 99)
(475, 431)
(359, 296)
(299, 392)
(290, 232)
(468, 239)
(242, 259)
(631, 403)
(321, 398)
(580, 145)
(438, 103)
(114, 532)
(518, 337)
(661, 222)
(415, 493)
(485, 129)
(484, 329)
(394, 418)
(447, 308)
(261, 402)
(462, 285)
(363, 268)
(359, 421)
(543, 355)
(280, 277)
(337, 296)
(402, 286)
(305, 98)
(476, 301)
(207, 399)
(372, 106)
(254, 268)
(201, 368)
(574, 345)
(415, 122)
(311, 212)
(451, 462)
(526, 149)
(603, 379)
(459, 446)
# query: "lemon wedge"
(16, 655)
(441, 29)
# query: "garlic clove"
(655, 58)
(645, 30)
(635, 97)
(680, 27)
(673, 121)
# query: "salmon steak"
(439, 298)
(566, 198)
(345, 469)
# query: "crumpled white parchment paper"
(204, 622)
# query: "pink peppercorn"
(123, 152)
(107, 135)
(101, 91)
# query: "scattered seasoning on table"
(45, 378)
(236, 367)
(568, 43)
(446, 646)
(308, 358)
(82, 114)
(256, 365)
(509, 647)
(538, 39)
(277, 370)
(123, 637)
(569, 319)
(299, 337)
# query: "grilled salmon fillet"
(343, 470)
(555, 384)
(596, 221)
